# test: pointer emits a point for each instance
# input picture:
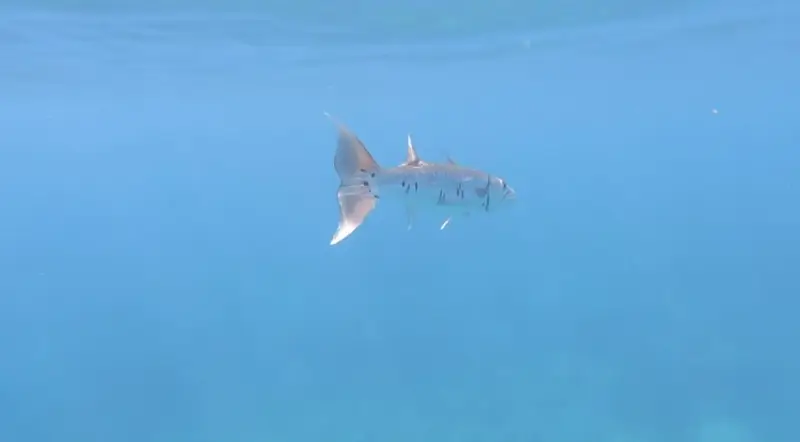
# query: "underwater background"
(167, 196)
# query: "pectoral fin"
(450, 218)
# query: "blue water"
(167, 197)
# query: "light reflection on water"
(47, 45)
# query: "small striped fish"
(419, 184)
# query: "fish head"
(501, 194)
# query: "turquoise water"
(167, 195)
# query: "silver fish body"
(448, 187)
(441, 185)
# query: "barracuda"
(420, 185)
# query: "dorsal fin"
(412, 159)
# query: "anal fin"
(411, 215)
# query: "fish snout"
(509, 194)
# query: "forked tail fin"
(355, 203)
(356, 169)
